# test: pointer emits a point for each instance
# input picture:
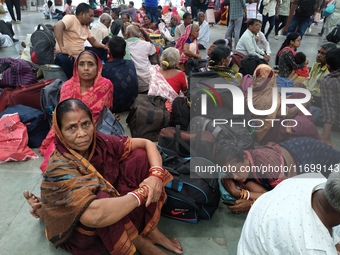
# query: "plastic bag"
(6, 41)
(13, 140)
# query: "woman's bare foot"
(34, 202)
(171, 244)
(146, 247)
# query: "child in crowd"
(303, 72)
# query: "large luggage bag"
(17, 72)
(210, 16)
(25, 95)
(147, 117)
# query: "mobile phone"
(229, 202)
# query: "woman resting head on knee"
(187, 44)
(94, 190)
(250, 173)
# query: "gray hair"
(170, 58)
(132, 31)
(194, 26)
(332, 189)
(328, 46)
(104, 17)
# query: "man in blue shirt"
(122, 73)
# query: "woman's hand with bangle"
(155, 187)
(241, 206)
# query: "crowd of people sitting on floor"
(127, 53)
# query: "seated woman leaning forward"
(187, 45)
(101, 194)
(250, 173)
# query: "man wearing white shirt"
(268, 14)
(49, 10)
(101, 29)
(204, 34)
(247, 43)
(300, 216)
(262, 42)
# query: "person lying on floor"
(254, 172)
(101, 194)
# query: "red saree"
(96, 97)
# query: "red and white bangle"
(141, 194)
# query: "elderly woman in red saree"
(273, 131)
(101, 194)
(187, 45)
(88, 85)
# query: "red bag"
(13, 140)
(25, 95)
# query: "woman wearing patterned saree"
(101, 194)
(87, 85)
(166, 80)
(187, 45)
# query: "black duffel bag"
(190, 197)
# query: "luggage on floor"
(194, 65)
(25, 95)
(189, 196)
(17, 72)
(49, 98)
(250, 63)
(234, 134)
(210, 16)
(334, 35)
(180, 113)
(148, 116)
(108, 124)
(35, 121)
(173, 141)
